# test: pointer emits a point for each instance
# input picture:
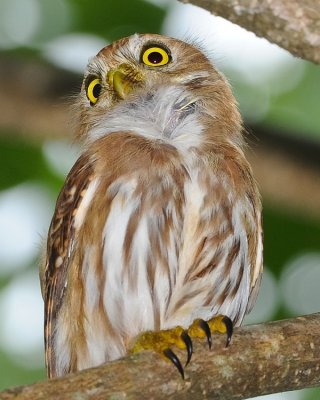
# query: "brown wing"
(59, 247)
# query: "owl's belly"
(171, 256)
(172, 253)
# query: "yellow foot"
(162, 341)
(201, 328)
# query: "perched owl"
(158, 226)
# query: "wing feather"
(256, 264)
(59, 248)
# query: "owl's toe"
(161, 343)
(220, 323)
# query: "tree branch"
(266, 358)
(292, 24)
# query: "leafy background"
(44, 47)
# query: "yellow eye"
(155, 56)
(93, 90)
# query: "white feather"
(157, 114)
(82, 210)
(61, 347)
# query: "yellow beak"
(123, 80)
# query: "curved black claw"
(205, 327)
(175, 360)
(229, 325)
(187, 340)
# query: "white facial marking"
(167, 113)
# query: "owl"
(156, 237)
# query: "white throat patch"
(166, 113)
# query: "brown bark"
(266, 358)
(292, 24)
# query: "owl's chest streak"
(143, 235)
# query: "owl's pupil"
(155, 57)
(96, 90)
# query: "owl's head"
(152, 74)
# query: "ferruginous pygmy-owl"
(158, 225)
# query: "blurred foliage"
(286, 234)
(288, 110)
(116, 19)
(13, 374)
(293, 110)
(22, 160)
